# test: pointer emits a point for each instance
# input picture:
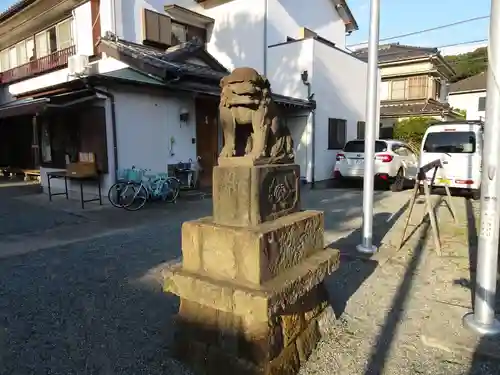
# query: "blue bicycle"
(136, 188)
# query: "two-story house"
(469, 95)
(137, 82)
(414, 84)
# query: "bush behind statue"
(412, 130)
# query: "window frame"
(174, 35)
(340, 136)
(360, 125)
(34, 38)
(405, 82)
(481, 103)
(420, 84)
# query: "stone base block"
(246, 195)
(214, 342)
(253, 254)
(259, 301)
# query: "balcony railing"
(55, 60)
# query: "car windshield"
(451, 142)
(359, 146)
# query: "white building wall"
(469, 102)
(286, 62)
(238, 37)
(339, 85)
(286, 17)
(146, 124)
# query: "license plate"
(358, 161)
(444, 181)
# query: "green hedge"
(412, 130)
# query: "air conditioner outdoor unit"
(77, 64)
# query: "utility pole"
(482, 321)
(366, 245)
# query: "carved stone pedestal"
(251, 276)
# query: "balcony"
(58, 59)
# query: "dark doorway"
(207, 137)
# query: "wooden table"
(81, 179)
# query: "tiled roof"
(203, 79)
(14, 8)
(170, 60)
(413, 108)
(477, 82)
(397, 52)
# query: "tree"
(468, 64)
(412, 130)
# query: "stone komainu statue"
(246, 101)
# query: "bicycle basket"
(135, 175)
(122, 174)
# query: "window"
(46, 149)
(64, 35)
(41, 45)
(437, 90)
(481, 104)
(22, 56)
(398, 89)
(157, 28)
(196, 33)
(361, 130)
(13, 57)
(44, 43)
(52, 39)
(359, 146)
(30, 49)
(336, 133)
(4, 60)
(386, 133)
(179, 33)
(417, 87)
(400, 150)
(451, 142)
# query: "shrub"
(412, 131)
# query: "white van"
(459, 144)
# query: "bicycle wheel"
(121, 194)
(171, 189)
(139, 199)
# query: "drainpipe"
(266, 6)
(111, 98)
(305, 81)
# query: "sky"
(405, 16)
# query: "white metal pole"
(366, 245)
(482, 320)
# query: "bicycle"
(122, 192)
(157, 187)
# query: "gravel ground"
(84, 308)
(386, 319)
(95, 306)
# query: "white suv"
(395, 163)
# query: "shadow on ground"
(96, 307)
(355, 268)
(486, 360)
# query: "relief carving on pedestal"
(279, 193)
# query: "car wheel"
(476, 194)
(399, 181)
